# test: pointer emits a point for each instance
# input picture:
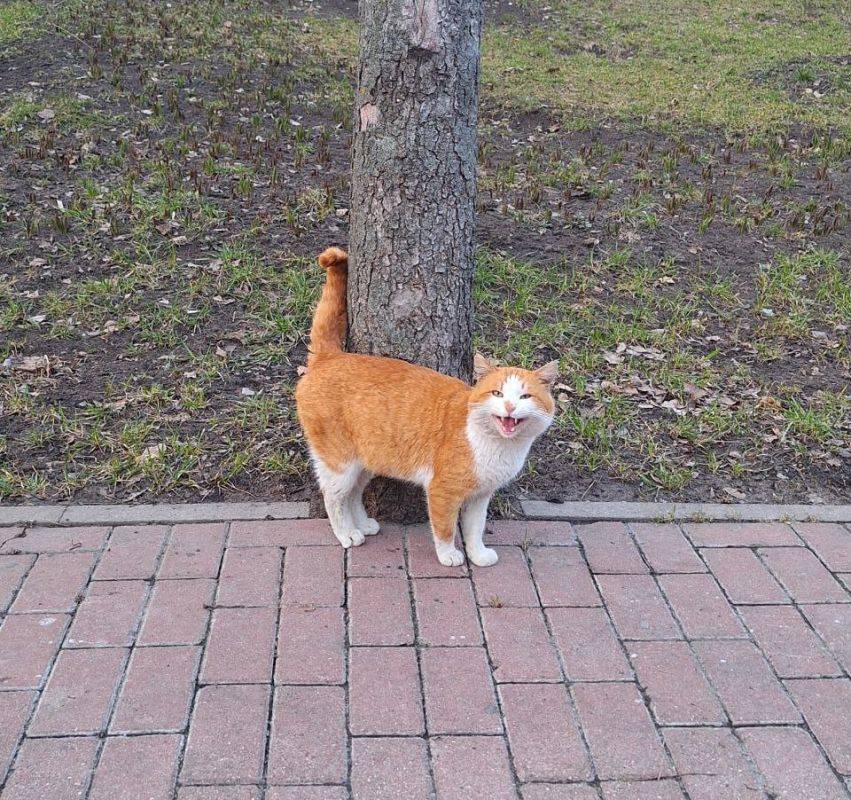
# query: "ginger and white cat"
(366, 415)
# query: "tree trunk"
(413, 190)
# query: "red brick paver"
(624, 743)
(543, 734)
(260, 661)
(129, 763)
(791, 765)
(55, 583)
(712, 764)
(390, 769)
(380, 706)
(472, 766)
(380, 612)
(679, 694)
(56, 768)
(458, 690)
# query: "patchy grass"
(159, 226)
(691, 63)
(16, 18)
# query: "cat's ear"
(481, 366)
(548, 373)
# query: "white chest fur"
(497, 460)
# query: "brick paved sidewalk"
(258, 660)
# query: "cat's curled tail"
(328, 332)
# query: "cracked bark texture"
(414, 182)
(413, 197)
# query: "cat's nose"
(509, 407)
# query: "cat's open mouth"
(508, 425)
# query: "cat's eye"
(495, 393)
(525, 396)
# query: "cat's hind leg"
(337, 487)
(366, 524)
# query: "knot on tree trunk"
(422, 21)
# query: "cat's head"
(511, 402)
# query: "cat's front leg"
(443, 509)
(473, 519)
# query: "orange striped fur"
(368, 415)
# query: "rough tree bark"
(413, 191)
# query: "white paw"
(370, 527)
(350, 538)
(486, 557)
(451, 558)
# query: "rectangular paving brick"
(833, 625)
(58, 769)
(132, 552)
(609, 548)
(472, 766)
(313, 576)
(563, 577)
(15, 710)
(637, 607)
(623, 741)
(701, 608)
(241, 646)
(519, 645)
(129, 763)
(446, 612)
(589, 649)
(422, 561)
(390, 769)
(788, 642)
(642, 790)
(506, 583)
(559, 791)
(529, 532)
(250, 576)
(308, 736)
(791, 764)
(380, 612)
(55, 583)
(311, 646)
(305, 793)
(458, 691)
(803, 575)
(384, 707)
(679, 693)
(227, 735)
(666, 549)
(831, 542)
(79, 693)
(740, 534)
(382, 557)
(178, 612)
(234, 793)
(28, 643)
(157, 692)
(7, 534)
(281, 533)
(109, 615)
(745, 684)
(56, 540)
(12, 572)
(544, 739)
(712, 764)
(743, 576)
(193, 551)
(826, 705)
